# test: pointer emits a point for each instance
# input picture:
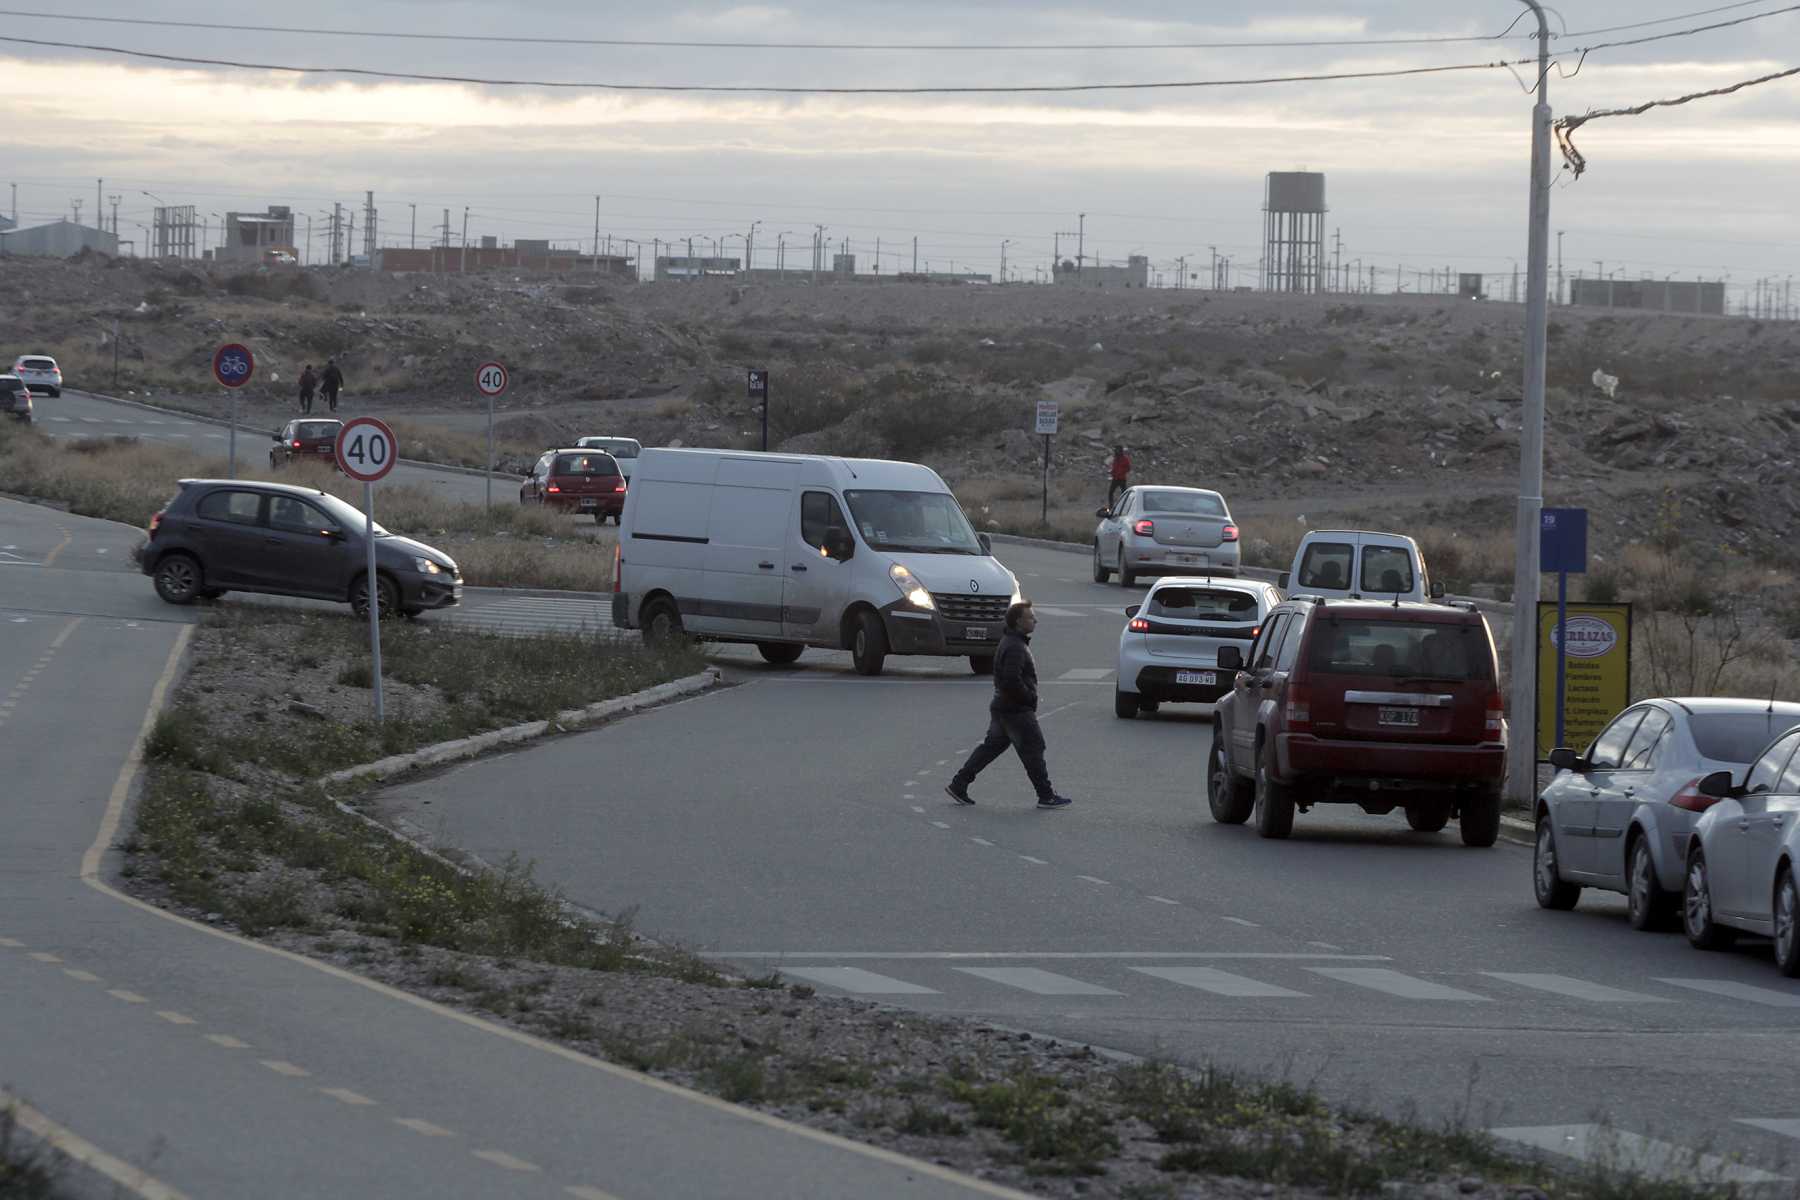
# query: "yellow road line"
(86, 1153)
(42, 957)
(12, 943)
(83, 976)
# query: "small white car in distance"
(40, 373)
(1165, 531)
(1169, 648)
(625, 450)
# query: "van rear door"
(746, 551)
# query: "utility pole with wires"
(114, 199)
(412, 235)
(1522, 746)
(1080, 241)
(369, 241)
(444, 258)
(462, 256)
(915, 269)
(1337, 259)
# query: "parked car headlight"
(910, 587)
(427, 567)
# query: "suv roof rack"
(1310, 598)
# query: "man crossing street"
(1012, 714)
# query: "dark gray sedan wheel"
(178, 579)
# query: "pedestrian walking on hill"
(1012, 715)
(1120, 469)
(331, 382)
(309, 380)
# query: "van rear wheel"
(779, 653)
(661, 621)
(868, 644)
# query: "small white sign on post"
(1047, 413)
(490, 380)
(366, 450)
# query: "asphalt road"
(191, 1063)
(797, 821)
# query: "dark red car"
(580, 481)
(305, 439)
(1383, 706)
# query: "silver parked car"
(1169, 648)
(1165, 531)
(40, 373)
(1619, 816)
(1740, 861)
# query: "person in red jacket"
(1121, 473)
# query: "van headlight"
(911, 588)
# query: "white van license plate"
(1197, 678)
(1398, 716)
(975, 633)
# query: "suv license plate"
(1202, 678)
(1398, 716)
(975, 633)
(588, 502)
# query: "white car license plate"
(1398, 716)
(588, 502)
(1187, 558)
(975, 633)
(1199, 678)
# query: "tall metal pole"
(489, 502)
(374, 598)
(462, 257)
(1522, 749)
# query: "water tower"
(1294, 231)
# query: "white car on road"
(1741, 859)
(1169, 648)
(623, 449)
(1165, 531)
(40, 373)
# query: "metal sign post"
(1048, 412)
(366, 451)
(490, 381)
(1562, 547)
(232, 366)
(759, 394)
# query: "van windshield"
(926, 522)
(1401, 650)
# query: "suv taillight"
(618, 562)
(553, 488)
(1496, 713)
(1297, 715)
(1139, 625)
(296, 443)
(1228, 534)
(619, 486)
(1144, 528)
(155, 522)
(1691, 799)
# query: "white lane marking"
(940, 762)
(1092, 879)
(227, 1041)
(1785, 1126)
(925, 771)
(127, 996)
(12, 943)
(1578, 989)
(175, 1018)
(44, 957)
(1325, 945)
(1393, 983)
(1037, 982)
(501, 1158)
(589, 1193)
(420, 1126)
(353, 1099)
(1087, 674)
(1241, 921)
(976, 840)
(81, 976)
(1164, 900)
(1039, 861)
(1738, 991)
(1625, 1151)
(940, 825)
(1223, 983)
(66, 420)
(972, 955)
(1047, 611)
(284, 1068)
(915, 807)
(96, 421)
(859, 981)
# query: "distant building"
(255, 237)
(1656, 295)
(7, 224)
(60, 239)
(683, 267)
(1134, 274)
(527, 255)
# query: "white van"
(1357, 564)
(786, 551)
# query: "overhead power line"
(1565, 127)
(1704, 12)
(985, 89)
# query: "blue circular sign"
(233, 365)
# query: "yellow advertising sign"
(1596, 668)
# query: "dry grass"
(428, 444)
(565, 566)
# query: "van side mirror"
(987, 543)
(1717, 785)
(1437, 590)
(1131, 610)
(839, 544)
(1231, 658)
(1281, 581)
(1565, 759)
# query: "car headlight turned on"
(911, 588)
(427, 567)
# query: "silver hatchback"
(1165, 531)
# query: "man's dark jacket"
(333, 379)
(1015, 676)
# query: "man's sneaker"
(1055, 802)
(958, 792)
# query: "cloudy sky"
(1425, 171)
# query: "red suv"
(581, 481)
(305, 439)
(1383, 706)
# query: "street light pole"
(1522, 748)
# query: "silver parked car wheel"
(1703, 933)
(1787, 924)
(1651, 907)
(1546, 881)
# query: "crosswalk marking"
(1223, 983)
(855, 979)
(1041, 983)
(1633, 1152)
(1738, 991)
(1579, 989)
(1785, 1126)
(1087, 674)
(1394, 983)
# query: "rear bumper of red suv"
(1302, 755)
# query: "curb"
(469, 747)
(1518, 825)
(225, 424)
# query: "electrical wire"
(1704, 12)
(1565, 127)
(767, 89)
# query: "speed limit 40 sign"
(490, 379)
(366, 449)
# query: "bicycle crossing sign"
(233, 364)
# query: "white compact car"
(785, 551)
(1165, 531)
(623, 449)
(40, 373)
(1169, 649)
(1741, 859)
